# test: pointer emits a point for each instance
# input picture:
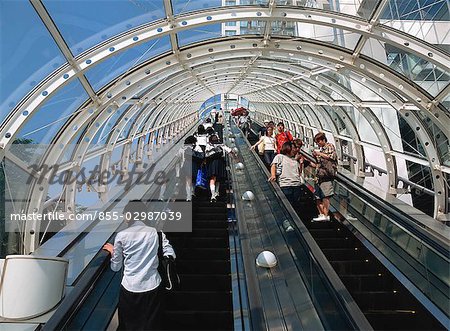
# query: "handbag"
(261, 148)
(201, 179)
(167, 269)
(327, 170)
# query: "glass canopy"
(373, 74)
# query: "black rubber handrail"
(391, 212)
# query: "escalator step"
(207, 203)
(198, 320)
(327, 233)
(205, 301)
(318, 225)
(342, 254)
(210, 224)
(402, 320)
(204, 267)
(206, 232)
(203, 242)
(195, 282)
(347, 242)
(352, 267)
(204, 254)
(385, 301)
(212, 209)
(368, 282)
(210, 217)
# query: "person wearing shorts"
(326, 171)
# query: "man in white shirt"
(136, 249)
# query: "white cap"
(266, 121)
(266, 259)
(248, 195)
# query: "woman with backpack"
(215, 163)
(202, 137)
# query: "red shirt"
(282, 138)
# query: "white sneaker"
(321, 218)
(350, 217)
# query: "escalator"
(385, 302)
(204, 301)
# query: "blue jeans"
(268, 157)
(292, 193)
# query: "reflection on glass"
(363, 9)
(106, 128)
(120, 63)
(28, 53)
(327, 34)
(183, 6)
(69, 149)
(82, 26)
(53, 114)
(201, 33)
(430, 77)
(13, 195)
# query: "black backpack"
(196, 156)
(167, 269)
(214, 153)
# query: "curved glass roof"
(373, 74)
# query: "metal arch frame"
(381, 134)
(110, 145)
(333, 127)
(432, 155)
(70, 196)
(433, 159)
(376, 125)
(332, 124)
(349, 124)
(218, 15)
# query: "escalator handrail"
(391, 212)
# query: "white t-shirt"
(269, 143)
(290, 171)
(202, 139)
